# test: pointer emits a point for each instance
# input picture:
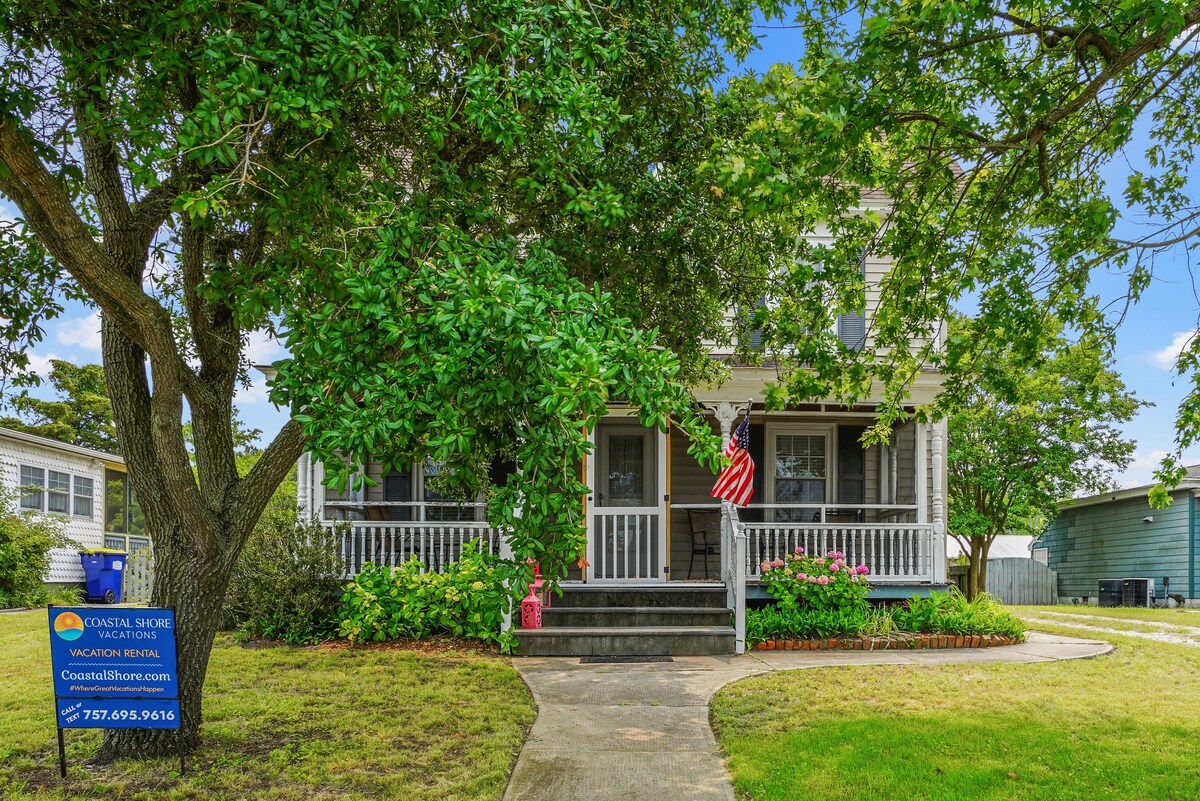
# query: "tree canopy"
(81, 414)
(473, 226)
(1023, 438)
(989, 128)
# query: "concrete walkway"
(640, 731)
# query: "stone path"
(640, 731)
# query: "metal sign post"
(114, 669)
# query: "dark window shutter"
(756, 335)
(397, 486)
(758, 450)
(852, 330)
(852, 326)
(852, 465)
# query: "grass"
(286, 723)
(1116, 727)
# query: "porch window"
(801, 474)
(439, 507)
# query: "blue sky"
(1152, 334)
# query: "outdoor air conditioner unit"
(1110, 592)
(1137, 592)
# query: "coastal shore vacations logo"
(68, 626)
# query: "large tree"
(994, 129)
(80, 414)
(465, 221)
(1029, 432)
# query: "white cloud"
(1165, 359)
(81, 332)
(260, 348)
(41, 364)
(1141, 470)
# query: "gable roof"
(62, 447)
(1190, 482)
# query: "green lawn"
(1122, 726)
(286, 723)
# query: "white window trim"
(826, 430)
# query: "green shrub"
(817, 582)
(951, 613)
(466, 600)
(25, 544)
(879, 622)
(776, 623)
(286, 582)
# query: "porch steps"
(632, 621)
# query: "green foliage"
(286, 580)
(80, 415)
(1036, 427)
(466, 600)
(994, 132)
(951, 613)
(818, 583)
(25, 544)
(777, 623)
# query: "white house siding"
(88, 532)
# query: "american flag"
(736, 482)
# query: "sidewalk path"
(628, 732)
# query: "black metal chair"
(705, 529)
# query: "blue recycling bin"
(103, 571)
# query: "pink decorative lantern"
(531, 611)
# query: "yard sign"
(113, 669)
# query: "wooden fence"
(1017, 580)
(139, 576)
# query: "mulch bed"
(895, 642)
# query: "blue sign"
(117, 713)
(114, 668)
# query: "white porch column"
(725, 412)
(921, 466)
(939, 507)
(589, 478)
(318, 491)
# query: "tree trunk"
(193, 584)
(977, 567)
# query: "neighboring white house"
(87, 489)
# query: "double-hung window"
(82, 501)
(58, 493)
(33, 486)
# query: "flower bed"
(896, 642)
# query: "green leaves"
(1033, 430)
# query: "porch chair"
(705, 529)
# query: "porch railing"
(434, 544)
(894, 552)
(625, 544)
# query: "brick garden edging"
(896, 642)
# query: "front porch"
(650, 519)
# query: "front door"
(627, 536)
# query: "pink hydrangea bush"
(816, 582)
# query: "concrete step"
(624, 641)
(663, 595)
(634, 616)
